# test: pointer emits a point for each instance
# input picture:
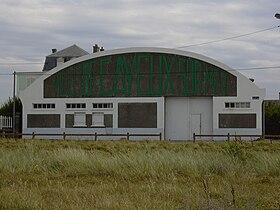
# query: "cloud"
(30, 28)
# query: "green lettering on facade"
(168, 71)
(209, 81)
(155, 78)
(199, 78)
(129, 72)
(87, 80)
(101, 70)
(141, 75)
(120, 77)
(191, 71)
(183, 72)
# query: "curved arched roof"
(140, 71)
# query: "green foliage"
(6, 108)
(44, 174)
(272, 110)
(272, 119)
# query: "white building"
(141, 90)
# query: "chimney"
(96, 48)
(54, 50)
(102, 49)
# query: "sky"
(31, 28)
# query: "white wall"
(246, 90)
(61, 109)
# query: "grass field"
(43, 174)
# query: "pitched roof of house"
(73, 51)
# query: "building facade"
(142, 90)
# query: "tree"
(6, 108)
(272, 119)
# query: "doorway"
(195, 124)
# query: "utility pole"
(14, 106)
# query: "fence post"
(127, 136)
(95, 136)
(64, 135)
(160, 136)
(33, 135)
(228, 137)
(193, 137)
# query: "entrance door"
(195, 124)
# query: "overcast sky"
(31, 28)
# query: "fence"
(127, 136)
(6, 122)
(229, 136)
(95, 135)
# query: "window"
(79, 119)
(237, 105)
(49, 106)
(44, 106)
(76, 106)
(43, 120)
(237, 120)
(102, 105)
(98, 119)
(66, 59)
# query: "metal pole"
(14, 106)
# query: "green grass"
(43, 174)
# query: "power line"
(229, 38)
(186, 46)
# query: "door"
(195, 124)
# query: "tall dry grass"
(140, 175)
